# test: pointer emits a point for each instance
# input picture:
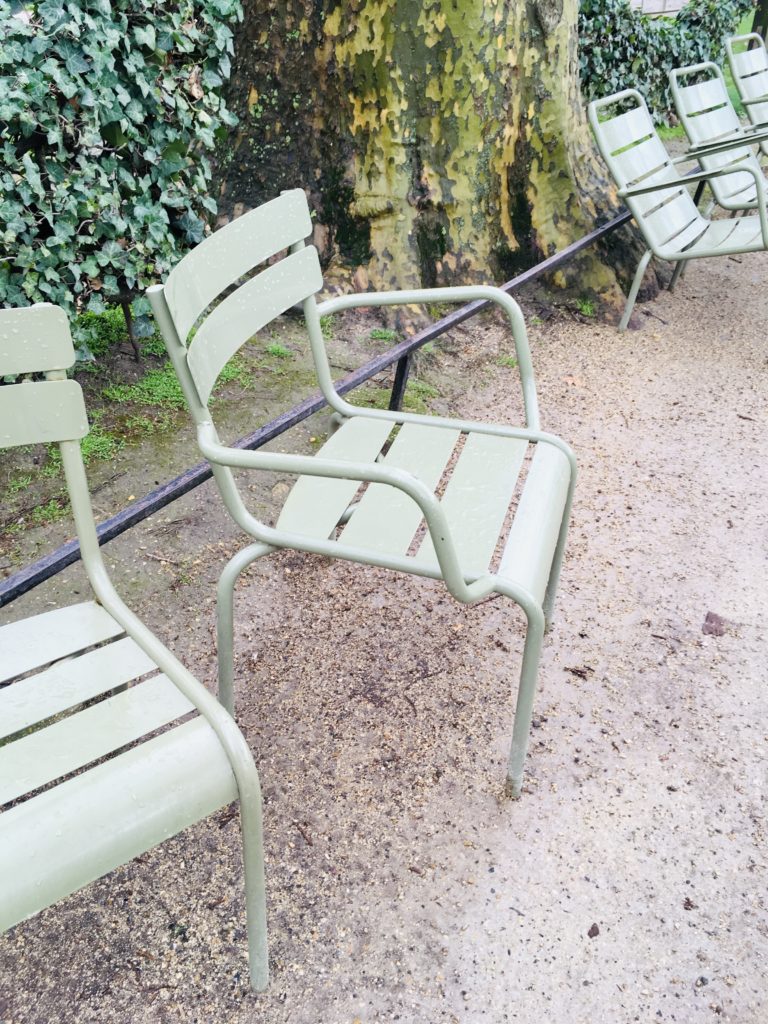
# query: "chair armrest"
(721, 172)
(468, 293)
(748, 138)
(370, 472)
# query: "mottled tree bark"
(441, 140)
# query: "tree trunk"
(441, 142)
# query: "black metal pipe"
(32, 575)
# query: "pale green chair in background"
(748, 60)
(81, 683)
(717, 137)
(658, 197)
(369, 494)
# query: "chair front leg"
(525, 694)
(225, 600)
(635, 289)
(255, 893)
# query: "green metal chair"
(748, 60)
(658, 197)
(717, 137)
(80, 683)
(394, 519)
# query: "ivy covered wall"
(621, 48)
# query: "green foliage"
(508, 361)
(585, 306)
(49, 513)
(158, 387)
(621, 48)
(279, 351)
(326, 325)
(104, 330)
(383, 334)
(107, 112)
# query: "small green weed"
(535, 321)
(158, 387)
(105, 330)
(153, 346)
(326, 326)
(280, 351)
(237, 371)
(19, 483)
(509, 361)
(585, 306)
(383, 334)
(49, 513)
(421, 389)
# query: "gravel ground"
(628, 884)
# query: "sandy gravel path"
(629, 883)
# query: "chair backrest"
(748, 60)
(214, 290)
(635, 155)
(36, 340)
(707, 115)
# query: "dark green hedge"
(107, 112)
(620, 48)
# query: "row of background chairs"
(655, 191)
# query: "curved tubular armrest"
(468, 293)
(371, 472)
(721, 172)
(748, 137)
(223, 725)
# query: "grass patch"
(585, 306)
(49, 513)
(280, 351)
(19, 483)
(669, 132)
(153, 346)
(157, 388)
(326, 325)
(416, 398)
(510, 361)
(383, 334)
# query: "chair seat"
(731, 235)
(478, 478)
(78, 690)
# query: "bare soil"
(629, 882)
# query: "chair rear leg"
(255, 894)
(548, 606)
(225, 600)
(525, 694)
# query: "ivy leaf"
(145, 36)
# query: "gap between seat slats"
(75, 832)
(387, 519)
(70, 682)
(41, 639)
(316, 504)
(74, 742)
(477, 498)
